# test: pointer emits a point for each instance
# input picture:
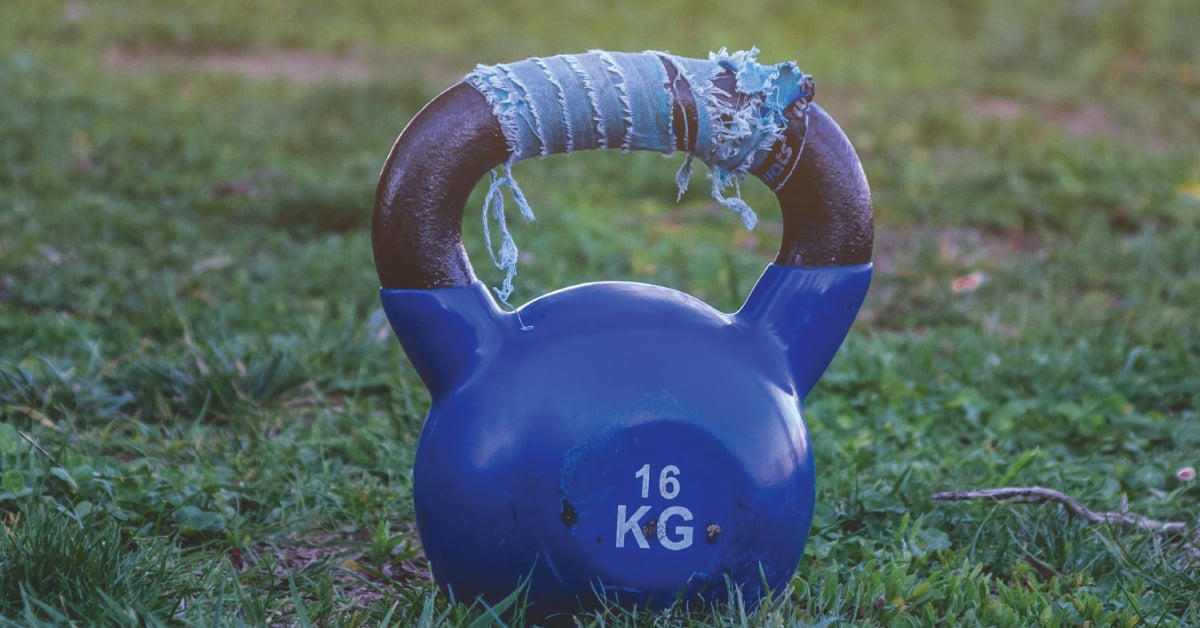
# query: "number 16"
(668, 481)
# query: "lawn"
(204, 418)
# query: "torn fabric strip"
(620, 100)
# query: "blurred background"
(1004, 115)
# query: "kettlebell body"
(620, 438)
(618, 442)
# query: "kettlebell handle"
(454, 140)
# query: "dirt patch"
(1087, 121)
(961, 246)
(344, 556)
(297, 66)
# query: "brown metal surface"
(416, 231)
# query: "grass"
(204, 419)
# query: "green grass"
(205, 420)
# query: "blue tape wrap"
(603, 99)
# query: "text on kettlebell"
(675, 537)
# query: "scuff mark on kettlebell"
(569, 515)
(712, 532)
(651, 528)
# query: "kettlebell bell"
(618, 442)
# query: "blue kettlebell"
(618, 442)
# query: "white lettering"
(644, 473)
(668, 484)
(633, 524)
(685, 532)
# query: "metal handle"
(453, 141)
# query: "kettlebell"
(618, 442)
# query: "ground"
(204, 417)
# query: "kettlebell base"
(654, 516)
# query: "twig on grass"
(1039, 495)
(38, 447)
